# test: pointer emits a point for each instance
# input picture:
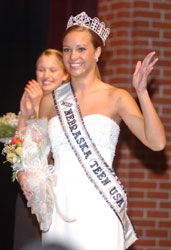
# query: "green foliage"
(7, 130)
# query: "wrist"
(24, 117)
(142, 92)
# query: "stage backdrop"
(27, 28)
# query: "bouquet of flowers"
(8, 123)
(13, 152)
(30, 154)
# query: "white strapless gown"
(96, 227)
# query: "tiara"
(94, 24)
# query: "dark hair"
(95, 39)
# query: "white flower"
(8, 123)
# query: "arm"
(29, 104)
(26, 112)
(47, 108)
(144, 124)
(29, 108)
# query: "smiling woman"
(50, 70)
(50, 73)
(83, 136)
(82, 50)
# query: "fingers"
(137, 67)
(34, 93)
(153, 62)
(149, 60)
(21, 176)
(28, 195)
(34, 89)
(147, 65)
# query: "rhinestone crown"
(94, 24)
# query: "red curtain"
(59, 12)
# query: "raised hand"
(142, 71)
(26, 106)
(35, 93)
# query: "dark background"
(27, 28)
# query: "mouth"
(75, 65)
(45, 83)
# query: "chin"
(45, 90)
(76, 72)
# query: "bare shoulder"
(116, 93)
(120, 101)
(124, 104)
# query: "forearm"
(21, 123)
(36, 111)
(153, 128)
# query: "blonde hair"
(58, 54)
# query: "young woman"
(83, 129)
(50, 74)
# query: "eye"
(53, 70)
(40, 69)
(65, 49)
(81, 49)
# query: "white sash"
(99, 173)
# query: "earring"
(97, 59)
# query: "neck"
(84, 84)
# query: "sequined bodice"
(103, 131)
(77, 195)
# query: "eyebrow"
(78, 45)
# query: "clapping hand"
(30, 100)
(35, 92)
(26, 106)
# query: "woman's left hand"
(21, 177)
(142, 71)
(35, 92)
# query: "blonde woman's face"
(49, 73)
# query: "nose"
(46, 73)
(74, 54)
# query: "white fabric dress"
(96, 227)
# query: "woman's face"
(49, 73)
(79, 55)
